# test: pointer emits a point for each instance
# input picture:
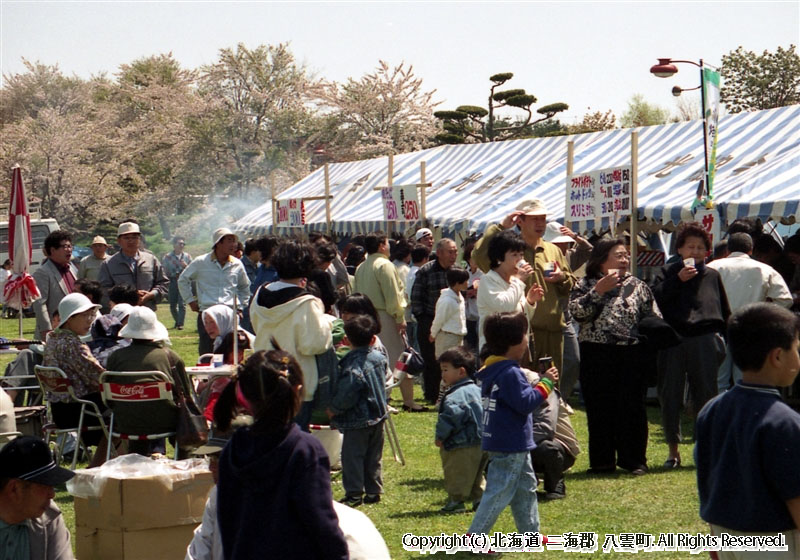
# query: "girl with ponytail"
(274, 492)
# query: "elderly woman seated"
(218, 322)
(65, 350)
(148, 351)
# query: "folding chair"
(54, 381)
(142, 406)
(389, 429)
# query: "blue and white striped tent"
(474, 185)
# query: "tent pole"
(422, 169)
(391, 225)
(634, 201)
(570, 157)
(327, 200)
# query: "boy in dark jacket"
(358, 410)
(458, 431)
(508, 400)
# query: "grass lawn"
(662, 501)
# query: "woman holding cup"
(608, 304)
(695, 305)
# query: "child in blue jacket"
(508, 400)
(458, 431)
(358, 409)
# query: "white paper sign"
(291, 212)
(400, 203)
(599, 194)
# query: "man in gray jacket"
(55, 279)
(134, 266)
(31, 525)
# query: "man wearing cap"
(90, 264)
(55, 279)
(218, 276)
(424, 236)
(174, 263)
(134, 266)
(31, 525)
(550, 270)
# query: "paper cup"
(549, 269)
(688, 262)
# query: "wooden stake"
(327, 200)
(570, 157)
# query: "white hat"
(121, 310)
(220, 233)
(422, 232)
(99, 240)
(532, 207)
(128, 227)
(72, 304)
(143, 325)
(553, 234)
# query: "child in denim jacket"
(358, 410)
(458, 431)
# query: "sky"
(586, 54)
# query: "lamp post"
(665, 69)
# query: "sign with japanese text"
(599, 194)
(400, 203)
(709, 219)
(291, 212)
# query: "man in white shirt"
(746, 280)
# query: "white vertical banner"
(710, 220)
(400, 203)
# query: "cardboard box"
(147, 517)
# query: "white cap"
(121, 310)
(422, 232)
(532, 207)
(220, 233)
(143, 325)
(128, 227)
(553, 234)
(72, 304)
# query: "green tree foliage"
(470, 123)
(751, 82)
(642, 113)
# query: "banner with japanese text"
(400, 203)
(291, 212)
(711, 96)
(599, 194)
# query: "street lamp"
(665, 69)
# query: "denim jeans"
(727, 371)
(176, 305)
(510, 480)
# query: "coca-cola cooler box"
(135, 508)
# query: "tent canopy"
(474, 185)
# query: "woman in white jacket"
(286, 313)
(502, 289)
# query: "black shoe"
(672, 463)
(554, 496)
(352, 501)
(601, 470)
(372, 498)
(407, 408)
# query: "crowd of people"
(505, 339)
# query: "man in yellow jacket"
(550, 270)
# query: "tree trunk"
(165, 230)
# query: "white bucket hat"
(73, 304)
(143, 325)
(553, 234)
(128, 227)
(99, 240)
(220, 233)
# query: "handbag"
(410, 361)
(192, 429)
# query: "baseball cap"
(422, 232)
(29, 458)
(220, 233)
(553, 234)
(532, 207)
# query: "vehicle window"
(38, 234)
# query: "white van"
(40, 229)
